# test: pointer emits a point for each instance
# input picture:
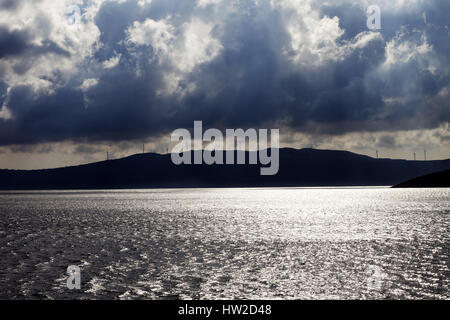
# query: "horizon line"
(191, 150)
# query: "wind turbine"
(107, 153)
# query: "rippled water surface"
(227, 243)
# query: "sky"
(80, 78)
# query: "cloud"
(386, 142)
(88, 83)
(157, 34)
(9, 4)
(135, 69)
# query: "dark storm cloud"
(16, 43)
(12, 42)
(252, 82)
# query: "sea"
(269, 243)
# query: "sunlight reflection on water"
(226, 243)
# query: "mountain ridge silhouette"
(298, 168)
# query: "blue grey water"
(281, 243)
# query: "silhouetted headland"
(435, 180)
(298, 168)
